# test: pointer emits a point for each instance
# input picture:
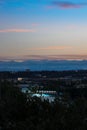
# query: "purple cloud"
(67, 5)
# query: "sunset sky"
(43, 27)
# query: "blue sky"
(43, 27)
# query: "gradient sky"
(43, 27)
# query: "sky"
(30, 28)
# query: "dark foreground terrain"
(20, 111)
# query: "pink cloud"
(67, 5)
(34, 24)
(51, 48)
(16, 30)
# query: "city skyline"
(43, 28)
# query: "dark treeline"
(48, 74)
(19, 112)
(72, 88)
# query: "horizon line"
(44, 57)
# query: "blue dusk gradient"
(43, 27)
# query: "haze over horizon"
(44, 57)
(43, 29)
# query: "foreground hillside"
(19, 112)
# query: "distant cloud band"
(46, 57)
(16, 30)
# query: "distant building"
(20, 79)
